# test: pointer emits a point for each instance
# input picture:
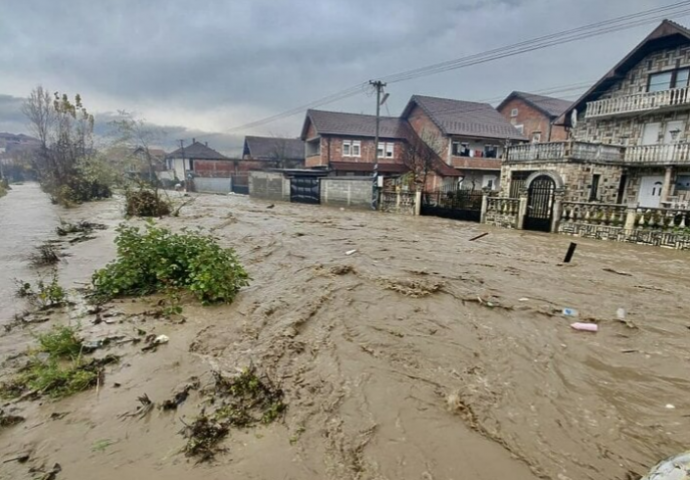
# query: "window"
(385, 150)
(352, 148)
(491, 151)
(520, 128)
(667, 80)
(536, 137)
(461, 149)
(594, 191)
(514, 112)
(314, 148)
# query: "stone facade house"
(630, 134)
(344, 144)
(470, 137)
(259, 153)
(535, 116)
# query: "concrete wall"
(212, 185)
(269, 185)
(347, 191)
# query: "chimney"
(193, 140)
(206, 143)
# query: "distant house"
(535, 116)
(198, 158)
(259, 153)
(470, 137)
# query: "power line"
(579, 33)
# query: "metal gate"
(305, 189)
(456, 204)
(240, 184)
(539, 214)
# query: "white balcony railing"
(677, 153)
(563, 151)
(639, 102)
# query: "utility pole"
(378, 85)
(184, 170)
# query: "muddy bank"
(422, 355)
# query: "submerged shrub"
(146, 203)
(156, 259)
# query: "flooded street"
(420, 356)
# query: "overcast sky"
(208, 66)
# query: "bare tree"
(419, 154)
(65, 163)
(138, 138)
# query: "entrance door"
(540, 204)
(305, 190)
(650, 191)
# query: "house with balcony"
(344, 145)
(629, 135)
(470, 137)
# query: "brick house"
(199, 159)
(344, 144)
(470, 137)
(259, 153)
(535, 116)
(630, 133)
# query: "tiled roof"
(355, 125)
(198, 150)
(553, 107)
(472, 119)
(270, 148)
(369, 167)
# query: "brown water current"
(420, 356)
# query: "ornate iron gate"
(456, 204)
(540, 198)
(305, 189)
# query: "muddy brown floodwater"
(420, 356)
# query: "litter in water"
(585, 327)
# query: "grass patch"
(241, 402)
(60, 373)
(44, 295)
(155, 260)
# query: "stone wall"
(577, 178)
(628, 130)
(502, 212)
(269, 185)
(347, 191)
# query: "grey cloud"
(267, 56)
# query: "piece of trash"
(620, 313)
(350, 252)
(570, 253)
(585, 327)
(92, 346)
(629, 351)
(160, 339)
(479, 236)
(624, 274)
(117, 385)
(271, 206)
(674, 468)
(23, 458)
(571, 312)
(524, 299)
(670, 406)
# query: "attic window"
(667, 80)
(514, 112)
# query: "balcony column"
(666, 188)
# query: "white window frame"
(385, 150)
(356, 148)
(520, 128)
(514, 112)
(536, 137)
(347, 148)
